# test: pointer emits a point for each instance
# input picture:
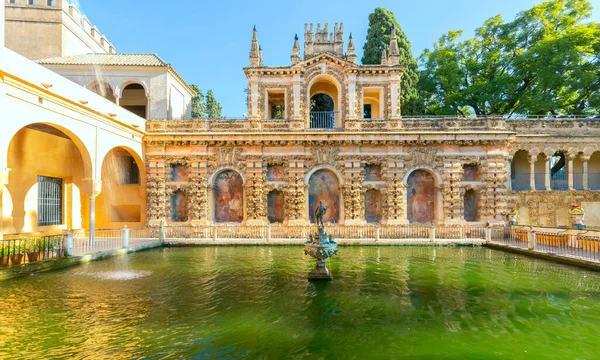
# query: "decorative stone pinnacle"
(394, 51)
(296, 51)
(255, 56)
(384, 59)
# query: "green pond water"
(255, 302)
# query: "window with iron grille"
(49, 201)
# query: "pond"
(255, 302)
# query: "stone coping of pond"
(342, 242)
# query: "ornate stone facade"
(362, 144)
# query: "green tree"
(198, 103)
(381, 22)
(213, 108)
(546, 61)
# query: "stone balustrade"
(407, 124)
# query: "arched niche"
(520, 171)
(103, 89)
(276, 206)
(471, 205)
(179, 206)
(122, 200)
(228, 197)
(324, 186)
(373, 206)
(421, 194)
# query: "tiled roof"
(107, 60)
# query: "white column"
(547, 173)
(570, 158)
(92, 188)
(532, 160)
(585, 160)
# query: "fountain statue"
(320, 246)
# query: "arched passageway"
(520, 171)
(48, 165)
(594, 171)
(134, 99)
(228, 197)
(121, 201)
(324, 186)
(421, 197)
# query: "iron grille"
(49, 201)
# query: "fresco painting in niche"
(421, 197)
(179, 173)
(471, 205)
(372, 173)
(229, 195)
(324, 186)
(179, 206)
(373, 206)
(275, 205)
(276, 173)
(470, 173)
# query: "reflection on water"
(116, 275)
(255, 302)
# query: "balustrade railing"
(323, 119)
(17, 249)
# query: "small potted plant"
(5, 252)
(577, 215)
(18, 249)
(512, 215)
(32, 249)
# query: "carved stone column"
(494, 196)
(297, 121)
(156, 193)
(394, 195)
(295, 196)
(354, 209)
(256, 199)
(351, 84)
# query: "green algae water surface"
(255, 302)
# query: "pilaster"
(354, 210)
(156, 197)
(295, 194)
(256, 207)
(394, 197)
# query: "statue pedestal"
(320, 246)
(320, 272)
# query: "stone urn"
(321, 247)
(577, 216)
(513, 216)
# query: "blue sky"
(208, 41)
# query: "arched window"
(103, 89)
(558, 172)
(323, 186)
(228, 197)
(594, 171)
(421, 197)
(322, 113)
(134, 99)
(471, 205)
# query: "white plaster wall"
(61, 105)
(181, 99)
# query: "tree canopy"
(381, 22)
(205, 107)
(545, 61)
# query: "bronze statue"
(319, 213)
